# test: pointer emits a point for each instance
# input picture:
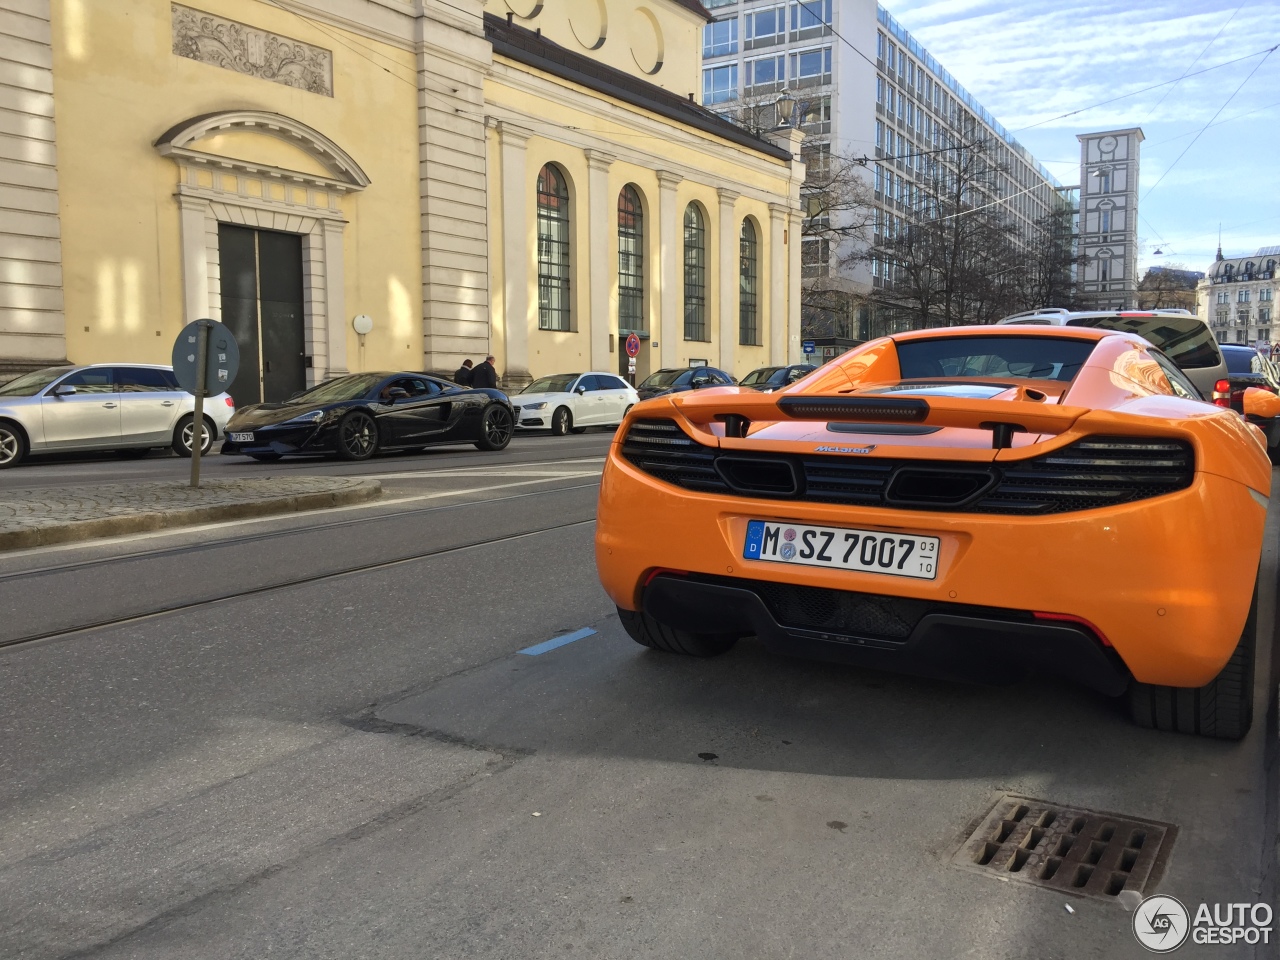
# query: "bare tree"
(1168, 287)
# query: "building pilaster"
(515, 250)
(730, 255)
(601, 321)
(670, 274)
(779, 242)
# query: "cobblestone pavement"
(59, 514)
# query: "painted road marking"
(547, 645)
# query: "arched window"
(630, 261)
(553, 250)
(695, 274)
(748, 283)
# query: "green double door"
(261, 279)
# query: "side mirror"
(580, 390)
(64, 391)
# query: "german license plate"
(241, 437)
(870, 551)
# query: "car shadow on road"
(605, 695)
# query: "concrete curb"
(360, 492)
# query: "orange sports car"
(969, 502)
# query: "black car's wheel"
(496, 428)
(266, 457)
(357, 436)
(183, 436)
(1222, 708)
(13, 444)
(648, 632)
(561, 422)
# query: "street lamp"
(786, 105)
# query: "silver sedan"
(104, 406)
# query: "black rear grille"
(1096, 472)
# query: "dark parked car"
(673, 380)
(358, 415)
(769, 379)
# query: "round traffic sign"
(633, 345)
(222, 358)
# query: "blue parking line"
(554, 642)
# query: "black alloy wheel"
(13, 445)
(561, 422)
(357, 436)
(183, 436)
(496, 429)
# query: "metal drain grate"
(1076, 851)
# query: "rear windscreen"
(1185, 340)
(1021, 358)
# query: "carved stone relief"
(258, 53)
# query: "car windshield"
(560, 383)
(29, 384)
(1019, 358)
(342, 388)
(759, 376)
(667, 378)
(1186, 341)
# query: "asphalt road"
(330, 745)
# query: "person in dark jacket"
(484, 375)
(463, 374)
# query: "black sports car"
(358, 415)
(672, 380)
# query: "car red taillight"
(1222, 394)
(231, 403)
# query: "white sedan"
(571, 402)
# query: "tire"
(1222, 708)
(496, 427)
(266, 457)
(578, 430)
(648, 632)
(357, 436)
(561, 422)
(182, 436)
(13, 444)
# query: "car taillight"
(1222, 394)
(230, 403)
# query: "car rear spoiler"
(1003, 418)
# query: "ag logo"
(1161, 924)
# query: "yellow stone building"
(532, 180)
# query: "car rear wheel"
(1222, 708)
(561, 422)
(648, 632)
(183, 436)
(496, 428)
(357, 436)
(13, 445)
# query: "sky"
(1028, 63)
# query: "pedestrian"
(484, 375)
(463, 373)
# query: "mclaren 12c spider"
(968, 502)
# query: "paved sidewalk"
(33, 518)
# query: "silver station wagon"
(130, 407)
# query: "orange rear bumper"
(1167, 581)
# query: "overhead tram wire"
(1224, 106)
(1198, 56)
(1155, 86)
